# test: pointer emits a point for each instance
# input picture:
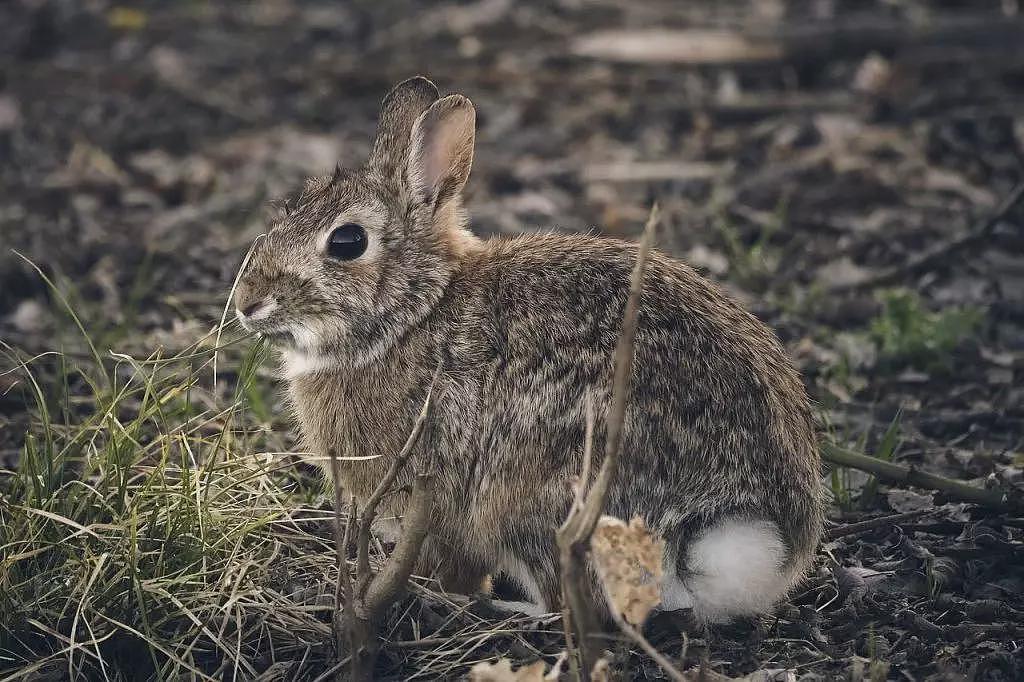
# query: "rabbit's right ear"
(398, 113)
(441, 151)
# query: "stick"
(594, 504)
(388, 584)
(872, 524)
(341, 535)
(370, 510)
(895, 473)
(941, 252)
(649, 649)
(574, 535)
(372, 595)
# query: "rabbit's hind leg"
(736, 567)
(537, 579)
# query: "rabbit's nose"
(251, 309)
(247, 301)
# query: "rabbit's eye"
(347, 242)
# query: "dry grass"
(154, 528)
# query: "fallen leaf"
(602, 671)
(628, 559)
(908, 501)
(695, 46)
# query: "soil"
(839, 140)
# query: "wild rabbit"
(371, 280)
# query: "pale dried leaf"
(602, 671)
(502, 672)
(693, 46)
(628, 559)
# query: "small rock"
(10, 114)
(30, 317)
(874, 75)
(714, 262)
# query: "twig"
(594, 504)
(895, 473)
(370, 509)
(341, 534)
(872, 524)
(416, 522)
(344, 596)
(574, 535)
(649, 649)
(941, 252)
(372, 595)
(583, 482)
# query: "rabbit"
(370, 280)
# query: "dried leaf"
(628, 559)
(502, 672)
(602, 671)
(694, 46)
(908, 500)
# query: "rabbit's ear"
(398, 113)
(441, 150)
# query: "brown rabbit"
(372, 279)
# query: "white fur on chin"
(296, 363)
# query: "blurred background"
(798, 150)
(804, 154)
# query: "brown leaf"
(628, 559)
(602, 671)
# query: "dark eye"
(347, 242)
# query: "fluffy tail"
(735, 568)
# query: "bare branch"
(872, 524)
(588, 452)
(341, 550)
(895, 473)
(343, 591)
(370, 510)
(368, 599)
(648, 648)
(574, 534)
(391, 580)
(594, 504)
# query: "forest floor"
(804, 154)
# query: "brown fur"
(718, 423)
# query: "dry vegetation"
(852, 171)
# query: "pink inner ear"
(444, 146)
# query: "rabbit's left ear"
(441, 151)
(398, 113)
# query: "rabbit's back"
(718, 422)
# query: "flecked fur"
(718, 426)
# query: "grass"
(851, 489)
(752, 264)
(153, 528)
(149, 530)
(908, 334)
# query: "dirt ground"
(803, 154)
